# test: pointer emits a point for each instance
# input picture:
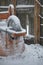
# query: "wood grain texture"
(37, 23)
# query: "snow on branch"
(39, 3)
(40, 16)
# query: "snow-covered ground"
(33, 55)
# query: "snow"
(12, 8)
(24, 6)
(33, 55)
(27, 24)
(8, 29)
(11, 5)
(4, 12)
(14, 21)
(14, 18)
(12, 31)
(28, 36)
(4, 6)
(23, 54)
(14, 25)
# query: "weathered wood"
(14, 3)
(18, 35)
(4, 15)
(37, 23)
(2, 52)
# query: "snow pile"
(12, 8)
(3, 23)
(14, 22)
(11, 5)
(33, 55)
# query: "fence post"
(37, 22)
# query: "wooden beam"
(4, 15)
(18, 35)
(37, 22)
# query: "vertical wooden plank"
(37, 23)
(14, 3)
